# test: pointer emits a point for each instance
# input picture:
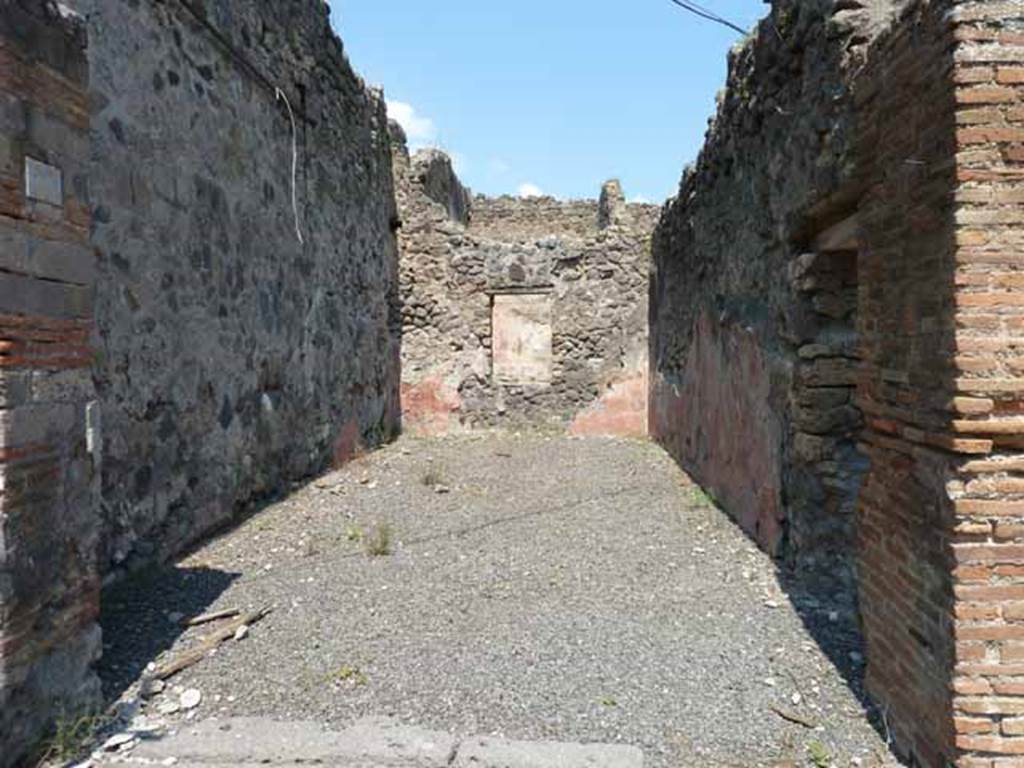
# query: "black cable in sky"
(710, 15)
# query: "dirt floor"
(540, 588)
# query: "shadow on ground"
(142, 617)
(590, 601)
(829, 611)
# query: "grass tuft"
(701, 498)
(349, 674)
(378, 540)
(433, 477)
(819, 755)
(71, 737)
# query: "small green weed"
(701, 498)
(819, 755)
(433, 477)
(71, 737)
(349, 674)
(378, 540)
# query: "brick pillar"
(942, 313)
(906, 149)
(49, 590)
(987, 491)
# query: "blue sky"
(548, 95)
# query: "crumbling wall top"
(434, 171)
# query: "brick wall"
(885, 261)
(177, 337)
(49, 586)
(986, 490)
(905, 159)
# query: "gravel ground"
(536, 588)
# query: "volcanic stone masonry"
(234, 353)
(239, 342)
(520, 312)
(836, 317)
(836, 340)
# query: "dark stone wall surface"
(816, 320)
(778, 167)
(231, 357)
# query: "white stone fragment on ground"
(190, 699)
(169, 707)
(442, 489)
(242, 632)
(771, 604)
(117, 741)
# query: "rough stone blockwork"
(233, 357)
(754, 335)
(240, 340)
(49, 587)
(520, 312)
(836, 308)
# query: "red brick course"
(49, 590)
(986, 495)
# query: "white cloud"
(639, 200)
(420, 130)
(530, 190)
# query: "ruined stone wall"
(49, 525)
(232, 357)
(513, 218)
(751, 372)
(847, 248)
(531, 218)
(184, 330)
(522, 312)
